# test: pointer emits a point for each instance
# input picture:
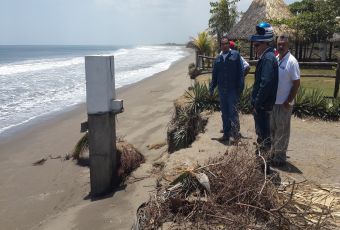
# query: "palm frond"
(81, 146)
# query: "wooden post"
(251, 51)
(330, 51)
(100, 99)
(196, 54)
(337, 80)
(296, 49)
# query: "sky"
(103, 22)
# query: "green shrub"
(333, 109)
(314, 104)
(245, 102)
(199, 98)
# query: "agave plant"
(314, 104)
(333, 109)
(244, 104)
(300, 108)
(183, 128)
(317, 103)
(199, 98)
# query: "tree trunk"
(337, 80)
(305, 50)
(311, 51)
(296, 49)
(300, 51)
(330, 51)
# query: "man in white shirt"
(289, 82)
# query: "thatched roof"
(258, 11)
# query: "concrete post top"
(100, 83)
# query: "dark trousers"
(230, 119)
(262, 128)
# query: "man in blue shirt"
(265, 85)
(227, 75)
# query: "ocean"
(36, 81)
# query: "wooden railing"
(205, 63)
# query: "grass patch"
(326, 85)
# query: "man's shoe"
(275, 163)
(223, 139)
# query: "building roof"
(258, 11)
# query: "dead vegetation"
(156, 146)
(128, 157)
(231, 192)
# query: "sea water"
(38, 80)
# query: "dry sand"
(54, 195)
(313, 152)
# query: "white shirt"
(224, 55)
(289, 71)
(245, 63)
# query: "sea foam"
(35, 87)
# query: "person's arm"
(294, 71)
(246, 67)
(266, 85)
(240, 73)
(296, 84)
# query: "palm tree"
(202, 44)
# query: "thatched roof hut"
(258, 11)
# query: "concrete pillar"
(101, 110)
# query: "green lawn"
(310, 83)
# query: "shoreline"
(39, 197)
(38, 122)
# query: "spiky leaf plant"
(183, 128)
(314, 104)
(333, 109)
(300, 108)
(199, 98)
(317, 103)
(244, 102)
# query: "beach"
(55, 195)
